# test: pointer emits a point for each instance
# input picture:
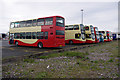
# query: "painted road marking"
(2, 47)
(26, 50)
(45, 51)
(11, 48)
(40, 52)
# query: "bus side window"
(22, 35)
(70, 27)
(16, 24)
(76, 27)
(11, 36)
(66, 27)
(34, 23)
(39, 35)
(12, 25)
(29, 23)
(34, 34)
(17, 35)
(23, 24)
(28, 35)
(48, 21)
(77, 35)
(40, 22)
(46, 35)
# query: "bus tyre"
(70, 42)
(16, 43)
(40, 45)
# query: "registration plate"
(60, 45)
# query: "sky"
(102, 14)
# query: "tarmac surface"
(9, 51)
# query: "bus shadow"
(33, 47)
(77, 44)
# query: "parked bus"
(41, 32)
(111, 38)
(104, 35)
(101, 39)
(108, 36)
(75, 34)
(114, 35)
(96, 35)
(90, 36)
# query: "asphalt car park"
(12, 50)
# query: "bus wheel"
(16, 43)
(40, 45)
(70, 42)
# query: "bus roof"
(38, 18)
(50, 17)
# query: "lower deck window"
(17, 35)
(60, 32)
(28, 35)
(39, 35)
(46, 35)
(34, 34)
(88, 35)
(78, 35)
(22, 35)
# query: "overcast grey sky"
(103, 15)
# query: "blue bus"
(114, 36)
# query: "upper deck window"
(66, 27)
(40, 22)
(29, 23)
(82, 26)
(34, 22)
(76, 27)
(86, 28)
(12, 25)
(103, 32)
(16, 24)
(23, 24)
(92, 29)
(97, 32)
(96, 29)
(70, 27)
(59, 21)
(48, 21)
(107, 32)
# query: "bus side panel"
(90, 41)
(26, 44)
(74, 41)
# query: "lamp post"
(82, 16)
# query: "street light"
(82, 16)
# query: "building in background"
(4, 36)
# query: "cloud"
(100, 14)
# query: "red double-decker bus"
(96, 35)
(41, 32)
